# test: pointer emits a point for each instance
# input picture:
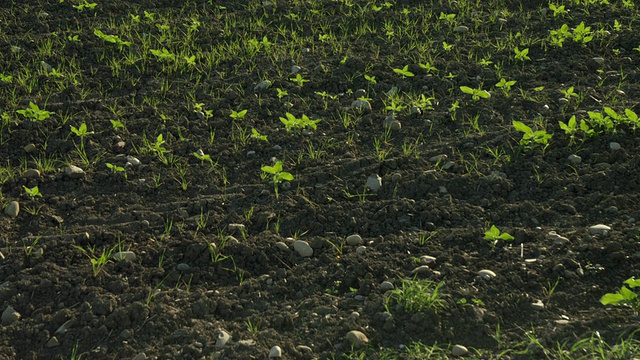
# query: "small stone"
(599, 229)
(74, 172)
(427, 260)
(31, 173)
(125, 255)
(304, 349)
(29, 148)
(459, 350)
(302, 248)
(374, 182)
(10, 315)
(361, 105)
(133, 161)
(354, 240)
(295, 69)
(183, 267)
(614, 146)
(53, 342)
(557, 239)
(462, 29)
(262, 86)
(12, 210)
(275, 352)
(282, 246)
(357, 339)
(438, 158)
(486, 274)
(223, 339)
(140, 356)
(361, 250)
(237, 228)
(386, 286)
(574, 159)
(422, 270)
(360, 93)
(537, 305)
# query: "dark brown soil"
(190, 280)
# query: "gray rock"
(574, 159)
(295, 69)
(361, 249)
(74, 172)
(275, 352)
(53, 342)
(140, 356)
(357, 339)
(10, 315)
(183, 267)
(462, 29)
(422, 270)
(31, 173)
(360, 93)
(486, 274)
(133, 161)
(125, 255)
(223, 338)
(302, 248)
(354, 240)
(386, 286)
(599, 229)
(374, 182)
(29, 148)
(282, 246)
(614, 146)
(459, 350)
(427, 260)
(304, 349)
(12, 210)
(361, 105)
(262, 86)
(392, 123)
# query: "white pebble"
(599, 229)
(486, 274)
(459, 350)
(374, 182)
(357, 338)
(614, 146)
(275, 352)
(354, 240)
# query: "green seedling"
(558, 10)
(116, 125)
(505, 86)
(416, 296)
(294, 124)
(404, 72)
(625, 296)
(85, 5)
(163, 54)
(277, 175)
(256, 135)
(34, 113)
(33, 192)
(98, 262)
(532, 138)
(370, 79)
(117, 169)
(114, 39)
(476, 94)
(299, 80)
(493, 235)
(80, 132)
(202, 157)
(571, 128)
(521, 55)
(238, 115)
(282, 93)
(428, 67)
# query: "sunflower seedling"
(476, 94)
(625, 296)
(278, 176)
(33, 192)
(493, 235)
(117, 169)
(532, 138)
(34, 113)
(404, 72)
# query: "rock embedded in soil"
(140, 356)
(9, 316)
(74, 172)
(183, 267)
(223, 338)
(31, 173)
(12, 210)
(486, 274)
(361, 105)
(262, 86)
(574, 159)
(374, 182)
(53, 342)
(354, 240)
(361, 249)
(357, 339)
(459, 350)
(386, 286)
(462, 29)
(282, 246)
(125, 255)
(275, 352)
(600, 229)
(537, 305)
(427, 260)
(614, 146)
(302, 248)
